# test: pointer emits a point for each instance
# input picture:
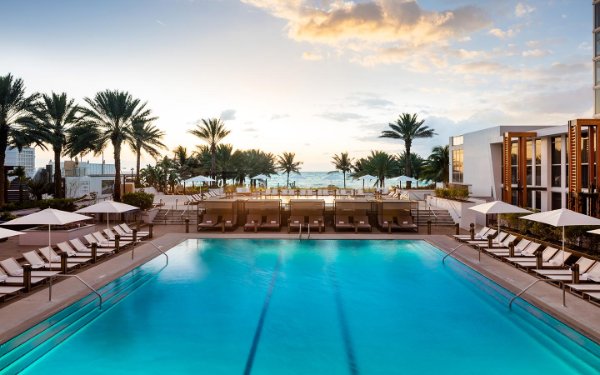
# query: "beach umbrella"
(261, 177)
(48, 217)
(562, 217)
(108, 207)
(405, 179)
(499, 208)
(6, 233)
(367, 177)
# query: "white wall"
(78, 186)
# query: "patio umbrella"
(499, 208)
(199, 178)
(261, 177)
(48, 217)
(367, 177)
(108, 207)
(405, 179)
(6, 233)
(562, 218)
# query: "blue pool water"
(317, 307)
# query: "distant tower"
(596, 41)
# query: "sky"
(314, 77)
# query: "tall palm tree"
(212, 131)
(56, 114)
(82, 139)
(379, 164)
(286, 163)
(17, 125)
(437, 165)
(113, 113)
(342, 163)
(408, 128)
(416, 164)
(144, 137)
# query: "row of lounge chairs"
(582, 277)
(46, 262)
(216, 193)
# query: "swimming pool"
(315, 307)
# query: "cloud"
(535, 53)
(341, 116)
(522, 9)
(566, 102)
(375, 31)
(501, 34)
(311, 56)
(160, 22)
(250, 130)
(228, 114)
(279, 116)
(370, 100)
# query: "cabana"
(352, 214)
(219, 214)
(305, 213)
(263, 214)
(396, 215)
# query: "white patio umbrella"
(367, 177)
(499, 208)
(48, 217)
(562, 218)
(6, 233)
(108, 207)
(405, 179)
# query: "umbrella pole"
(563, 245)
(49, 237)
(107, 218)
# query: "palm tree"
(55, 114)
(144, 137)
(415, 161)
(408, 128)
(212, 131)
(342, 163)
(437, 165)
(113, 113)
(21, 175)
(82, 139)
(379, 164)
(17, 126)
(286, 163)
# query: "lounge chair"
(9, 291)
(584, 288)
(481, 235)
(17, 280)
(129, 231)
(295, 223)
(583, 263)
(557, 261)
(91, 239)
(101, 239)
(227, 222)
(271, 223)
(209, 221)
(502, 245)
(343, 222)
(66, 248)
(112, 237)
(362, 222)
(316, 222)
(498, 240)
(528, 255)
(32, 257)
(81, 248)
(13, 268)
(51, 256)
(253, 222)
(592, 274)
(504, 251)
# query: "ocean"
(320, 179)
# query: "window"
(597, 73)
(596, 16)
(556, 161)
(457, 141)
(597, 101)
(556, 201)
(597, 44)
(457, 165)
(538, 200)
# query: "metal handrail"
(451, 252)
(300, 232)
(165, 215)
(78, 278)
(518, 295)
(156, 247)
(308, 236)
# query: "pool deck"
(23, 313)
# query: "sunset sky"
(315, 77)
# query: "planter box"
(149, 215)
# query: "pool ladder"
(518, 295)
(300, 232)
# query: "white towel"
(208, 221)
(316, 222)
(273, 222)
(296, 222)
(555, 262)
(361, 222)
(228, 222)
(3, 277)
(341, 222)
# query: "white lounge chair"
(478, 236)
(81, 248)
(13, 268)
(583, 262)
(33, 258)
(52, 257)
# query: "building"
(84, 178)
(596, 60)
(24, 158)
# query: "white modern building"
(24, 158)
(84, 178)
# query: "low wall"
(40, 237)
(459, 210)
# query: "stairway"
(23, 350)
(175, 217)
(438, 217)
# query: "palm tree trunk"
(117, 185)
(344, 173)
(213, 162)
(138, 157)
(57, 174)
(288, 179)
(20, 191)
(407, 168)
(3, 144)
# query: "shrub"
(139, 199)
(64, 204)
(456, 193)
